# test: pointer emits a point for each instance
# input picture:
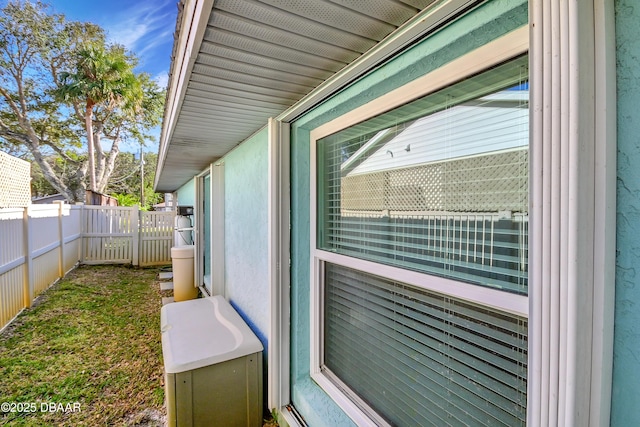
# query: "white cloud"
(158, 38)
(142, 27)
(128, 35)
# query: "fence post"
(83, 227)
(135, 225)
(60, 238)
(27, 293)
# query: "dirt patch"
(147, 418)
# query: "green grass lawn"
(87, 354)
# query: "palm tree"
(103, 78)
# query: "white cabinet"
(213, 365)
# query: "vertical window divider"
(572, 268)
(278, 354)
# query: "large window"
(421, 256)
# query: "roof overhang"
(237, 63)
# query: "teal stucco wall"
(488, 22)
(187, 193)
(625, 410)
(246, 231)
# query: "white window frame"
(498, 51)
(217, 229)
(573, 224)
(278, 354)
(198, 228)
(215, 171)
(573, 212)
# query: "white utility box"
(213, 365)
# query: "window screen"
(439, 185)
(423, 359)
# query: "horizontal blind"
(468, 248)
(439, 185)
(421, 358)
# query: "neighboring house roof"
(426, 140)
(237, 63)
(48, 199)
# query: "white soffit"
(254, 60)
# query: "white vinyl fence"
(155, 238)
(108, 235)
(41, 243)
(38, 245)
(125, 235)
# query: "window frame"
(500, 50)
(215, 213)
(199, 228)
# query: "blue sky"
(145, 27)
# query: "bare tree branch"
(61, 153)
